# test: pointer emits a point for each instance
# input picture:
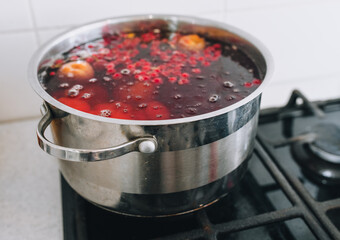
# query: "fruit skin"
(156, 111)
(192, 42)
(76, 103)
(76, 71)
(139, 91)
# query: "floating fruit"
(192, 42)
(77, 71)
(156, 111)
(77, 103)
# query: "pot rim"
(39, 54)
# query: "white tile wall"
(45, 35)
(80, 11)
(15, 15)
(17, 100)
(248, 4)
(303, 36)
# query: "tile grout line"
(34, 23)
(32, 29)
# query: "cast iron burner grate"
(275, 200)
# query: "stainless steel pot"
(151, 168)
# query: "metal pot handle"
(142, 144)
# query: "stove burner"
(327, 142)
(320, 157)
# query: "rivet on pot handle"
(142, 144)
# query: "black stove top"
(282, 196)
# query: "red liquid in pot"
(151, 76)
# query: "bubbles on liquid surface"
(86, 95)
(125, 71)
(213, 98)
(231, 97)
(64, 85)
(228, 84)
(105, 113)
(73, 92)
(107, 79)
(142, 105)
(177, 96)
(78, 87)
(191, 110)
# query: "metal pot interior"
(80, 35)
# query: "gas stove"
(291, 190)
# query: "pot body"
(196, 163)
(197, 160)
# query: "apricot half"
(78, 71)
(192, 42)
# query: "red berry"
(185, 75)
(247, 84)
(73, 58)
(183, 81)
(196, 70)
(110, 71)
(256, 81)
(117, 76)
(52, 73)
(147, 37)
(59, 61)
(157, 80)
(146, 68)
(110, 65)
(172, 79)
(89, 59)
(154, 74)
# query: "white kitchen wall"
(303, 36)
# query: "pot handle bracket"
(141, 144)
